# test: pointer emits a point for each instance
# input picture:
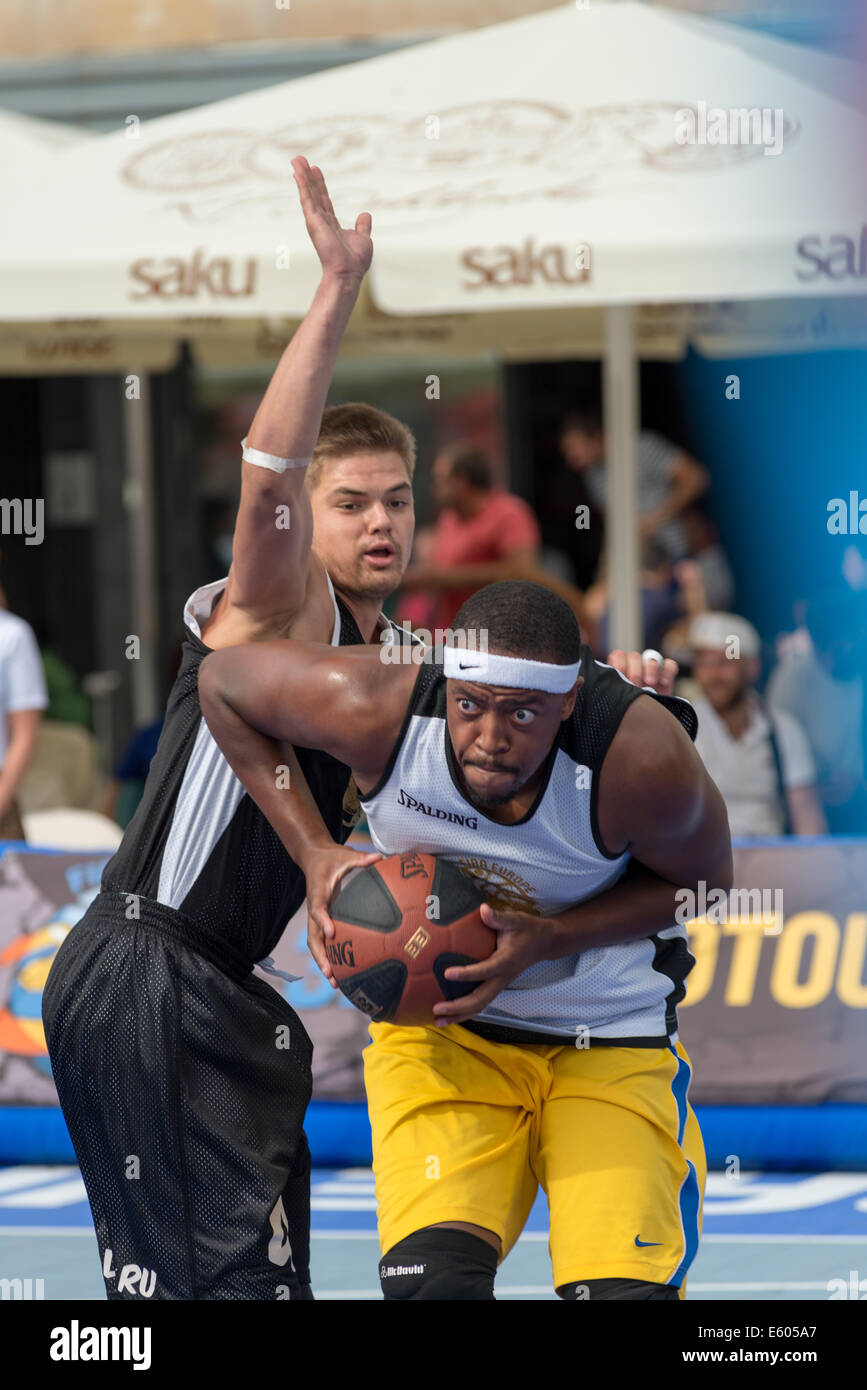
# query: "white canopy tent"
(534, 192)
(26, 138)
(573, 138)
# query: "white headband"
(261, 460)
(489, 668)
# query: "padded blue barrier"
(769, 1138)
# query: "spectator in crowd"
(480, 535)
(130, 773)
(660, 602)
(759, 759)
(125, 790)
(705, 550)
(669, 480)
(416, 606)
(66, 703)
(23, 697)
(821, 683)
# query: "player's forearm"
(686, 489)
(461, 577)
(640, 904)
(475, 576)
(288, 420)
(22, 744)
(267, 768)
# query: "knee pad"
(617, 1289)
(437, 1263)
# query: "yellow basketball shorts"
(467, 1130)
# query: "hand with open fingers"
(646, 668)
(344, 252)
(323, 870)
(522, 940)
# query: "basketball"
(399, 925)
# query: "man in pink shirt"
(480, 535)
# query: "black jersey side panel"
(246, 888)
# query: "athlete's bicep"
(686, 838)
(302, 693)
(271, 544)
(670, 811)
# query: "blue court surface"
(800, 1237)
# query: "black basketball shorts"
(184, 1091)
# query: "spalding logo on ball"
(399, 925)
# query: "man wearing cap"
(761, 762)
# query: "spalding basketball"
(399, 925)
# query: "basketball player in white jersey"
(588, 811)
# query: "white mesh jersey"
(626, 994)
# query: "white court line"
(527, 1237)
(32, 1231)
(343, 1189)
(59, 1194)
(344, 1235)
(28, 1176)
(332, 1295)
(335, 1295)
(522, 1290)
(343, 1204)
(737, 1287)
(783, 1240)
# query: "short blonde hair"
(356, 428)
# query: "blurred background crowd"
(781, 712)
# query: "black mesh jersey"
(198, 843)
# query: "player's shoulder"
(652, 773)
(647, 733)
(604, 685)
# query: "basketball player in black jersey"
(183, 1077)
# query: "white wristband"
(277, 465)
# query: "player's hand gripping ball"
(399, 925)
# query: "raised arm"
(271, 576)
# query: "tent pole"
(620, 396)
(140, 504)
